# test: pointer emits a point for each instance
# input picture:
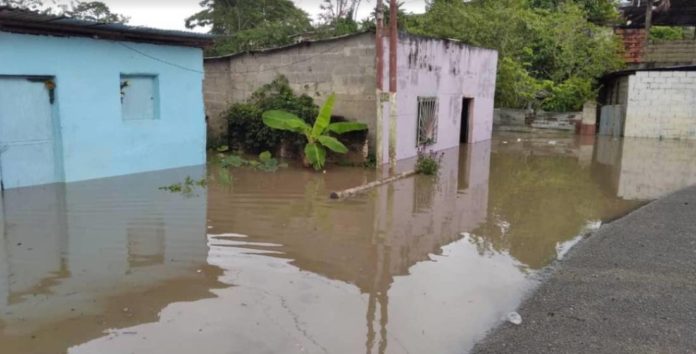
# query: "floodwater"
(268, 264)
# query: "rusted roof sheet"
(28, 22)
(665, 13)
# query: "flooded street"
(268, 264)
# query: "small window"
(427, 121)
(139, 97)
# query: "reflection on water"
(270, 264)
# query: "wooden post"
(648, 23)
(393, 40)
(379, 44)
(366, 187)
(379, 63)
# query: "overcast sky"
(170, 14)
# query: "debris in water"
(553, 142)
(514, 318)
(518, 140)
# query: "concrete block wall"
(345, 66)
(661, 104)
(670, 53)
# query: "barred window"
(427, 121)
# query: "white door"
(27, 149)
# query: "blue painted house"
(83, 100)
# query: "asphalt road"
(629, 288)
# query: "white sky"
(170, 14)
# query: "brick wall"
(345, 66)
(661, 104)
(633, 40)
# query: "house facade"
(444, 98)
(654, 97)
(81, 100)
(649, 103)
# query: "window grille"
(427, 121)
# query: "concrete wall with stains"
(450, 71)
(345, 66)
(96, 141)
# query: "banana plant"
(318, 138)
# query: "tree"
(597, 11)
(548, 57)
(90, 11)
(30, 5)
(93, 11)
(334, 10)
(250, 24)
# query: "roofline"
(628, 72)
(333, 39)
(290, 46)
(27, 22)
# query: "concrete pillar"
(588, 125)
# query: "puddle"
(267, 263)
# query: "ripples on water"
(269, 264)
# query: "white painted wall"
(661, 104)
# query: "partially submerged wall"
(661, 104)
(450, 71)
(345, 66)
(96, 140)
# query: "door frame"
(56, 130)
(468, 105)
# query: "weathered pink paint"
(450, 71)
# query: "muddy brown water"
(268, 264)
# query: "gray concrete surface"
(629, 288)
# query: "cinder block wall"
(345, 66)
(661, 104)
(670, 53)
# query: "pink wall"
(450, 71)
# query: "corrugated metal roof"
(23, 21)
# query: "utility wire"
(160, 60)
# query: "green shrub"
(667, 33)
(428, 163)
(246, 130)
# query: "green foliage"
(597, 11)
(428, 163)
(92, 11)
(246, 130)
(187, 187)
(667, 33)
(317, 135)
(266, 162)
(564, 96)
(82, 10)
(546, 47)
(243, 25)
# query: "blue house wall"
(95, 138)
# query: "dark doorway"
(466, 121)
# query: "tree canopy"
(83, 10)
(250, 24)
(551, 54)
